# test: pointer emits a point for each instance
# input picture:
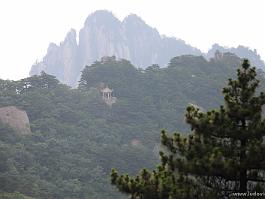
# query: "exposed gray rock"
(60, 60)
(132, 39)
(16, 119)
(104, 35)
(240, 51)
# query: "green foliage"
(15, 195)
(77, 138)
(223, 155)
(72, 145)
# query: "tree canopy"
(223, 155)
(77, 138)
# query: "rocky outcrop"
(104, 35)
(132, 39)
(16, 119)
(240, 51)
(60, 60)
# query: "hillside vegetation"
(77, 138)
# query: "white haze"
(28, 26)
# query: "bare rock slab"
(16, 119)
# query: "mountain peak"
(104, 34)
(133, 18)
(100, 17)
(70, 36)
(71, 33)
(241, 51)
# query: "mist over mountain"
(104, 35)
(132, 39)
(240, 51)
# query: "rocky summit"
(132, 39)
(104, 35)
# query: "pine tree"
(224, 154)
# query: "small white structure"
(107, 96)
(107, 93)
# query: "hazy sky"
(28, 26)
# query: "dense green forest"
(77, 138)
(222, 157)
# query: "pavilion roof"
(106, 90)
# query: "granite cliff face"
(60, 60)
(240, 51)
(132, 39)
(104, 35)
(16, 119)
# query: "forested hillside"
(77, 138)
